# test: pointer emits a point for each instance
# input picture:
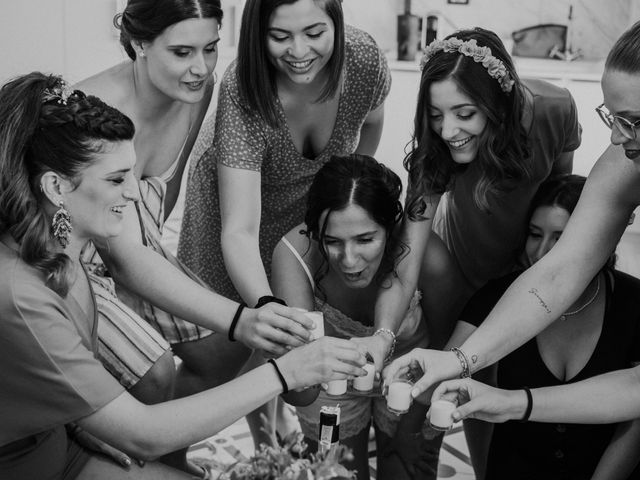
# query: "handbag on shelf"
(539, 40)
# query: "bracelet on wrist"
(234, 322)
(527, 412)
(464, 362)
(283, 382)
(389, 333)
(262, 301)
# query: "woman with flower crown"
(483, 142)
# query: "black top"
(534, 450)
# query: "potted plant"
(289, 461)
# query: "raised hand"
(327, 358)
(273, 328)
(481, 401)
(436, 365)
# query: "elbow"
(146, 449)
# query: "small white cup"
(399, 397)
(365, 384)
(337, 387)
(440, 415)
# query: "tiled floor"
(235, 444)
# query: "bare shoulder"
(113, 85)
(298, 239)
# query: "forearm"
(531, 303)
(153, 278)
(622, 453)
(241, 254)
(608, 398)
(149, 431)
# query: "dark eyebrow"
(309, 27)
(122, 170)
(191, 46)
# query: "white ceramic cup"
(337, 387)
(399, 396)
(365, 384)
(440, 414)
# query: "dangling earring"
(61, 225)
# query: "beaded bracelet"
(234, 322)
(464, 362)
(527, 412)
(285, 387)
(393, 341)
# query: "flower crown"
(470, 48)
(59, 94)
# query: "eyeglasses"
(627, 128)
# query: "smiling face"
(105, 188)
(457, 119)
(355, 244)
(622, 97)
(545, 227)
(300, 41)
(181, 59)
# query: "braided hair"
(358, 180)
(44, 128)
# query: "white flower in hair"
(495, 67)
(59, 94)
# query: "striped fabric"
(132, 335)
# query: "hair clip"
(59, 94)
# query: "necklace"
(589, 302)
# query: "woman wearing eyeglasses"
(546, 290)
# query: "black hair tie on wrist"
(234, 322)
(262, 301)
(527, 412)
(285, 387)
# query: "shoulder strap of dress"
(301, 261)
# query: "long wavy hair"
(356, 180)
(255, 73)
(503, 152)
(144, 20)
(39, 135)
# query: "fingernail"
(126, 462)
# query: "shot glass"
(365, 384)
(399, 397)
(440, 415)
(337, 387)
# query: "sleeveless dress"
(357, 411)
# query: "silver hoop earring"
(61, 226)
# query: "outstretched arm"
(148, 431)
(394, 299)
(152, 277)
(544, 291)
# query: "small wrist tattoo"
(544, 305)
(474, 359)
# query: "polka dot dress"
(243, 140)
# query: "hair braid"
(44, 129)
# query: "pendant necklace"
(589, 302)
